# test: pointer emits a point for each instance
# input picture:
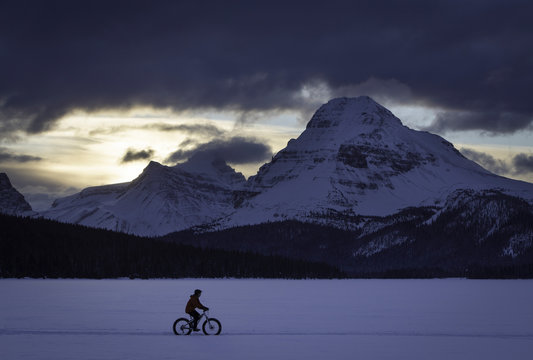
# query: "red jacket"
(193, 303)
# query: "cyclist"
(192, 304)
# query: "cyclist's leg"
(196, 316)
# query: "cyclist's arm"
(201, 306)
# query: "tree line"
(41, 248)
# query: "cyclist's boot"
(195, 327)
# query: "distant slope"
(487, 234)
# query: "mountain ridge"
(160, 200)
(354, 161)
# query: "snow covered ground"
(268, 319)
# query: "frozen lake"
(268, 319)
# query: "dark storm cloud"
(488, 161)
(8, 156)
(190, 129)
(135, 155)
(523, 163)
(236, 150)
(490, 121)
(520, 164)
(470, 57)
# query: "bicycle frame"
(204, 314)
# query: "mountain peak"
(363, 110)
(153, 168)
(11, 201)
(4, 182)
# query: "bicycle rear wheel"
(212, 327)
(182, 327)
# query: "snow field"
(268, 319)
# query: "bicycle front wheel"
(182, 327)
(212, 327)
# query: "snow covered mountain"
(161, 200)
(354, 162)
(11, 201)
(356, 158)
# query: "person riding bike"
(192, 305)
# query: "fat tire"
(217, 327)
(177, 325)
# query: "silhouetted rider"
(192, 305)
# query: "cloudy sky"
(90, 91)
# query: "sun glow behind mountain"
(88, 149)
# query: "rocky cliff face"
(11, 201)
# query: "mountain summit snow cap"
(352, 111)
